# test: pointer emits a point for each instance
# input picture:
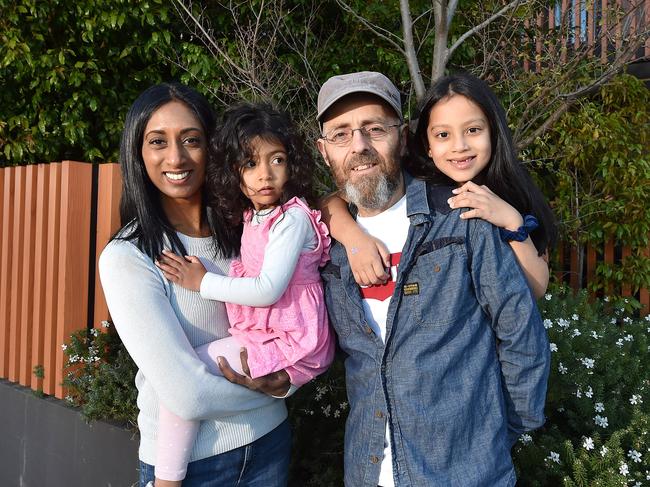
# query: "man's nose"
(360, 141)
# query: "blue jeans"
(263, 463)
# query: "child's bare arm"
(535, 266)
(167, 483)
(368, 256)
(488, 206)
(185, 271)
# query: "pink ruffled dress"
(294, 333)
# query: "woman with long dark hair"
(244, 437)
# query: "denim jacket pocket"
(444, 285)
(335, 299)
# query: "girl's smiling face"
(459, 138)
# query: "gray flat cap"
(371, 82)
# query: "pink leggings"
(176, 436)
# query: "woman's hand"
(369, 260)
(486, 205)
(274, 384)
(185, 271)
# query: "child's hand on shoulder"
(185, 271)
(369, 258)
(486, 205)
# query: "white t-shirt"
(391, 227)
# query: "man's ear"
(320, 144)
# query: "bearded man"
(447, 362)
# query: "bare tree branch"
(439, 58)
(409, 49)
(482, 25)
(387, 35)
(569, 99)
(451, 11)
(205, 35)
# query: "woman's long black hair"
(231, 147)
(143, 218)
(504, 173)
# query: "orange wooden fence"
(600, 27)
(568, 269)
(53, 218)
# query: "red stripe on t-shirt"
(381, 292)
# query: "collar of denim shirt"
(423, 199)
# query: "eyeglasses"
(343, 136)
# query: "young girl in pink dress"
(258, 174)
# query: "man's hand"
(274, 384)
(185, 271)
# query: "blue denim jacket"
(466, 361)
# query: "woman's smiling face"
(174, 151)
(459, 138)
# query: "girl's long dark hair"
(141, 212)
(504, 173)
(231, 147)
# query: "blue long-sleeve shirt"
(465, 365)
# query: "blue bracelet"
(530, 224)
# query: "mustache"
(361, 159)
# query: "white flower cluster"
(562, 323)
(553, 457)
(623, 469)
(328, 410)
(588, 362)
(634, 455)
(636, 399)
(526, 439)
(601, 421)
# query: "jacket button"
(379, 414)
(374, 459)
(368, 329)
(436, 268)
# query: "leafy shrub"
(597, 405)
(594, 165)
(100, 376)
(70, 71)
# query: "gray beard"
(372, 193)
